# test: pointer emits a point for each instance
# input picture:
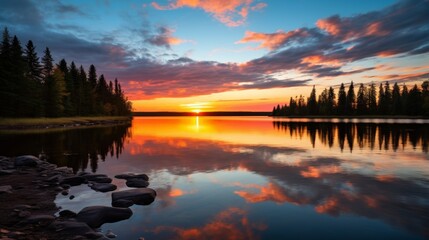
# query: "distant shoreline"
(63, 122)
(220, 113)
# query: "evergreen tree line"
(369, 100)
(30, 87)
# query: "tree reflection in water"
(381, 135)
(76, 148)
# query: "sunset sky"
(218, 55)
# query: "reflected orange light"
(176, 192)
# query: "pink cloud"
(271, 41)
(232, 13)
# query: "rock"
(71, 197)
(5, 189)
(137, 183)
(94, 235)
(95, 216)
(122, 203)
(73, 181)
(71, 228)
(40, 219)
(110, 234)
(67, 214)
(127, 176)
(103, 187)
(65, 192)
(64, 169)
(65, 186)
(102, 180)
(54, 178)
(141, 196)
(90, 176)
(26, 161)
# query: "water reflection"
(79, 149)
(242, 178)
(365, 135)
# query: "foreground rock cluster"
(28, 187)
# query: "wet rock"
(94, 235)
(5, 189)
(95, 216)
(64, 170)
(72, 228)
(122, 203)
(71, 197)
(127, 176)
(54, 178)
(102, 180)
(65, 192)
(110, 234)
(90, 177)
(137, 183)
(26, 161)
(103, 187)
(141, 196)
(40, 219)
(67, 214)
(65, 186)
(73, 181)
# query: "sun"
(197, 111)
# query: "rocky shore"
(74, 123)
(28, 187)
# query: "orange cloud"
(330, 205)
(271, 41)
(320, 60)
(271, 192)
(375, 29)
(232, 13)
(231, 223)
(176, 192)
(329, 25)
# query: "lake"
(252, 177)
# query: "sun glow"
(197, 111)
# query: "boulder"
(122, 203)
(95, 216)
(73, 181)
(44, 220)
(127, 176)
(137, 183)
(71, 228)
(26, 161)
(140, 196)
(102, 180)
(90, 176)
(103, 187)
(67, 214)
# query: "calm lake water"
(253, 177)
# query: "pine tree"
(425, 98)
(342, 98)
(404, 99)
(350, 100)
(34, 79)
(372, 99)
(387, 98)
(331, 101)
(414, 102)
(382, 104)
(362, 100)
(312, 103)
(22, 105)
(55, 93)
(6, 85)
(47, 62)
(396, 100)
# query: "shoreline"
(58, 123)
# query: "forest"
(30, 87)
(369, 100)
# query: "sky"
(237, 55)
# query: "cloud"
(231, 13)
(321, 51)
(164, 38)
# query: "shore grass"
(11, 122)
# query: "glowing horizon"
(244, 55)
